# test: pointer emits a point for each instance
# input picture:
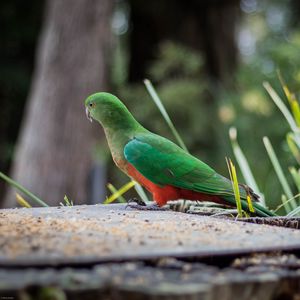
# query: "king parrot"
(163, 168)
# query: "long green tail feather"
(262, 211)
(259, 210)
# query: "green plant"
(292, 117)
(293, 139)
(118, 193)
(22, 201)
(22, 189)
(279, 173)
(67, 202)
(164, 113)
(243, 164)
(235, 186)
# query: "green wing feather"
(164, 163)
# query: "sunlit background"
(207, 60)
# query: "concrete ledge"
(106, 233)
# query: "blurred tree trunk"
(53, 155)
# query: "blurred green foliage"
(248, 107)
(203, 110)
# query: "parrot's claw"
(137, 201)
(141, 205)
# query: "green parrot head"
(108, 110)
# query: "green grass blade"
(113, 190)
(292, 100)
(22, 201)
(295, 110)
(294, 212)
(140, 191)
(163, 111)
(19, 187)
(290, 139)
(286, 201)
(296, 176)
(67, 202)
(243, 164)
(280, 174)
(280, 104)
(235, 186)
(120, 192)
(250, 204)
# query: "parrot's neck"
(118, 138)
(119, 127)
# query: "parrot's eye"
(91, 104)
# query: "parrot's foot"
(141, 205)
(137, 201)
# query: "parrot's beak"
(88, 114)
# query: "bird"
(166, 170)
